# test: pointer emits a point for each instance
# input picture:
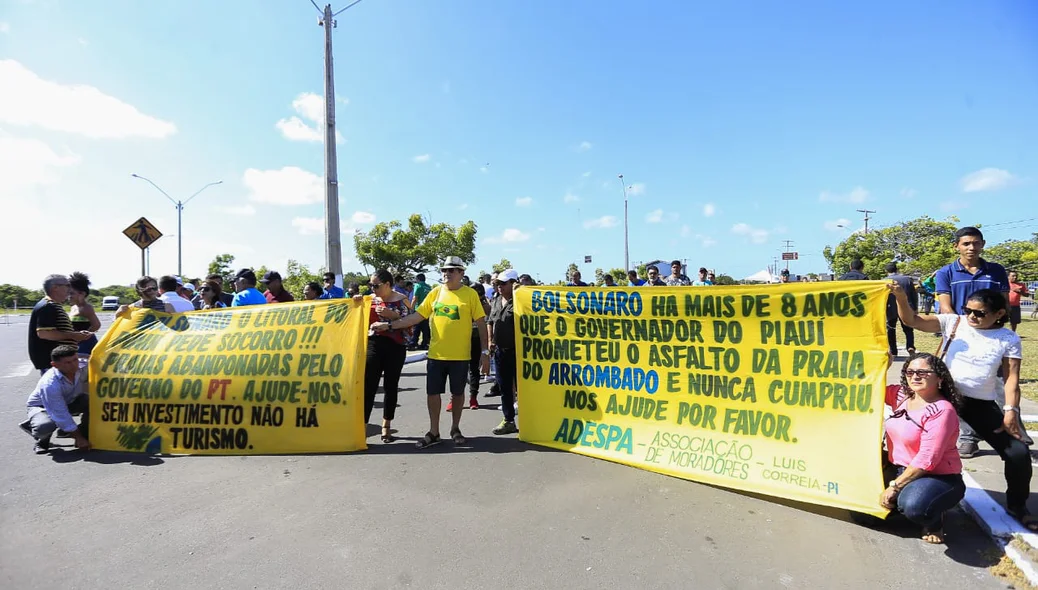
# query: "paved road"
(495, 514)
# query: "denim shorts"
(438, 372)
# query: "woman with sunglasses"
(386, 350)
(211, 293)
(921, 436)
(977, 345)
(148, 289)
(82, 314)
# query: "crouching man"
(60, 393)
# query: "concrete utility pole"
(627, 262)
(867, 218)
(789, 245)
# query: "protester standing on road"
(477, 346)
(245, 291)
(212, 295)
(275, 292)
(148, 289)
(855, 274)
(450, 308)
(421, 291)
(678, 278)
(501, 328)
(60, 393)
(978, 344)
(49, 325)
(575, 281)
(654, 278)
(921, 435)
(82, 314)
(1016, 290)
(892, 320)
(386, 351)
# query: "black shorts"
(1014, 314)
(438, 372)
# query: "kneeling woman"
(921, 438)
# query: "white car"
(110, 303)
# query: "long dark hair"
(993, 301)
(215, 291)
(946, 386)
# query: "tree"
(296, 277)
(619, 275)
(1018, 255)
(505, 264)
(9, 294)
(572, 268)
(724, 280)
(599, 277)
(416, 248)
(222, 265)
(919, 245)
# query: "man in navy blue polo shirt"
(953, 285)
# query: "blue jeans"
(925, 500)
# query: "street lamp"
(180, 209)
(627, 262)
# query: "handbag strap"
(942, 350)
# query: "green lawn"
(1028, 331)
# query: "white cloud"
(606, 221)
(5, 27)
(509, 236)
(909, 193)
(287, 186)
(422, 159)
(708, 241)
(686, 231)
(636, 189)
(363, 217)
(949, 206)
(524, 201)
(309, 226)
(310, 127)
(857, 195)
(837, 224)
(586, 174)
(28, 100)
(584, 146)
(27, 163)
(484, 169)
(570, 198)
(654, 216)
(242, 210)
(756, 235)
(988, 179)
(709, 210)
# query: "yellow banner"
(264, 379)
(769, 389)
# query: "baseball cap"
(452, 262)
(272, 275)
(180, 281)
(507, 275)
(246, 273)
(189, 287)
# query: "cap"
(452, 262)
(272, 275)
(189, 287)
(507, 275)
(785, 272)
(246, 273)
(180, 281)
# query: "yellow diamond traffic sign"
(142, 233)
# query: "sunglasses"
(904, 412)
(924, 373)
(978, 313)
(376, 285)
(149, 289)
(204, 289)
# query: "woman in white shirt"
(979, 345)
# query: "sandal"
(428, 440)
(934, 537)
(387, 437)
(457, 436)
(1026, 519)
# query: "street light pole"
(627, 262)
(180, 210)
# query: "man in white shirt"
(168, 293)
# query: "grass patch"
(1028, 331)
(1007, 571)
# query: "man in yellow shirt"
(451, 309)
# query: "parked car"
(110, 303)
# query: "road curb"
(1002, 528)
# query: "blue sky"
(737, 125)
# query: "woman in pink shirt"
(921, 440)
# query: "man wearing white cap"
(451, 309)
(502, 346)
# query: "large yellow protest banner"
(265, 379)
(773, 389)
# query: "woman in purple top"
(920, 436)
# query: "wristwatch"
(485, 352)
(1011, 408)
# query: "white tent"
(763, 276)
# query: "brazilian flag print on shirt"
(450, 315)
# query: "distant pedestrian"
(245, 291)
(633, 280)
(502, 346)
(607, 280)
(855, 274)
(575, 281)
(908, 287)
(678, 278)
(313, 291)
(1016, 290)
(784, 275)
(276, 292)
(703, 279)
(421, 330)
(331, 291)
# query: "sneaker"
(506, 427)
(42, 447)
(494, 391)
(967, 449)
(473, 403)
(450, 406)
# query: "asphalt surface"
(496, 513)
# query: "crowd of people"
(942, 406)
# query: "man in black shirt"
(501, 326)
(49, 324)
(855, 274)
